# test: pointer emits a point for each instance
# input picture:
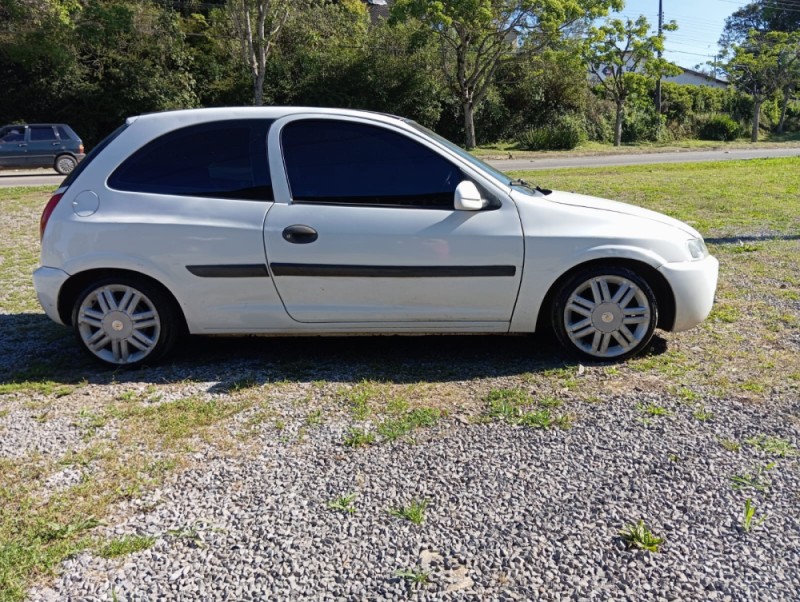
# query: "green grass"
(414, 512)
(343, 503)
(128, 544)
(720, 199)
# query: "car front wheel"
(605, 313)
(65, 164)
(125, 321)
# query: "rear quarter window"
(223, 159)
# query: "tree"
(619, 48)
(762, 17)
(762, 65)
(476, 36)
(257, 24)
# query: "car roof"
(210, 114)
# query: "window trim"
(380, 126)
(217, 195)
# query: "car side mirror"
(468, 198)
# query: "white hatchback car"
(277, 220)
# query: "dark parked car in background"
(53, 145)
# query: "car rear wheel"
(125, 321)
(65, 164)
(605, 313)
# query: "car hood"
(590, 202)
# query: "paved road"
(34, 177)
(40, 177)
(646, 158)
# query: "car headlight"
(697, 249)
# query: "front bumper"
(694, 284)
(48, 283)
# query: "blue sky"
(700, 24)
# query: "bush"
(719, 127)
(565, 133)
(643, 125)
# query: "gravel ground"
(514, 514)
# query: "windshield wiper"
(524, 184)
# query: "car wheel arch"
(73, 287)
(657, 282)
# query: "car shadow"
(37, 350)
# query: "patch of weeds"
(688, 396)
(775, 446)
(54, 530)
(91, 421)
(640, 536)
(394, 428)
(753, 480)
(703, 415)
(414, 577)
(413, 512)
(343, 503)
(314, 418)
(510, 405)
(731, 445)
(725, 313)
(753, 386)
(653, 409)
(358, 398)
(397, 406)
(359, 438)
(506, 404)
(749, 514)
(743, 247)
(175, 420)
(125, 545)
(674, 458)
(549, 402)
(45, 387)
(543, 419)
(4, 413)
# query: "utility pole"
(660, 32)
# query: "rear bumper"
(48, 283)
(694, 284)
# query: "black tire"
(605, 313)
(125, 321)
(64, 164)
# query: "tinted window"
(92, 154)
(223, 159)
(349, 163)
(13, 135)
(39, 134)
(62, 133)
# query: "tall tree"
(619, 48)
(762, 65)
(476, 36)
(258, 24)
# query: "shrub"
(719, 127)
(565, 133)
(643, 125)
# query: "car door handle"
(299, 234)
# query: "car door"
(13, 146)
(371, 235)
(43, 145)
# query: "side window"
(222, 159)
(42, 134)
(13, 135)
(63, 134)
(340, 162)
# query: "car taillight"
(48, 211)
(80, 148)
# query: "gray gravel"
(514, 514)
